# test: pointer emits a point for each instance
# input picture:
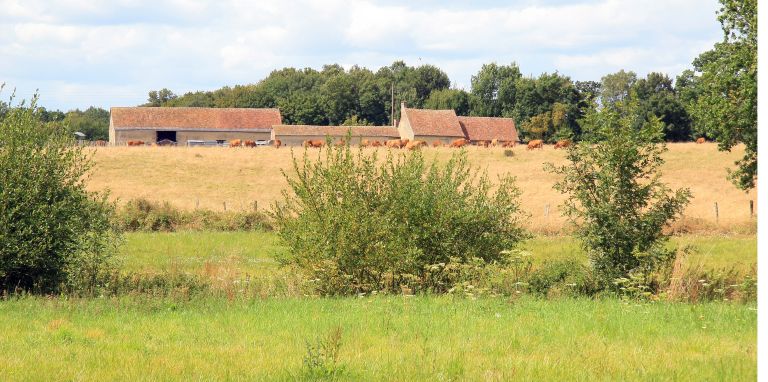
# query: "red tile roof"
(196, 118)
(434, 122)
(335, 131)
(489, 128)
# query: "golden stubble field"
(210, 177)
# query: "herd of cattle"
(398, 143)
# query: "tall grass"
(393, 338)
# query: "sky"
(81, 53)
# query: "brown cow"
(235, 143)
(536, 144)
(277, 143)
(249, 143)
(340, 142)
(700, 140)
(415, 145)
(394, 143)
(365, 143)
(135, 143)
(437, 144)
(483, 143)
(494, 142)
(563, 143)
(459, 143)
(313, 143)
(376, 144)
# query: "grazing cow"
(313, 143)
(135, 143)
(459, 143)
(249, 143)
(394, 143)
(483, 143)
(415, 145)
(365, 143)
(536, 144)
(376, 144)
(235, 143)
(494, 142)
(277, 143)
(563, 143)
(700, 140)
(508, 144)
(437, 144)
(340, 142)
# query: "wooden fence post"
(225, 205)
(197, 203)
(717, 214)
(546, 210)
(751, 209)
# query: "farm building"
(489, 128)
(182, 124)
(429, 125)
(295, 135)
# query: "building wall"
(298, 140)
(121, 137)
(404, 126)
(183, 136)
(430, 139)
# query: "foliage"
(616, 200)
(52, 230)
(453, 99)
(356, 224)
(494, 89)
(145, 215)
(615, 87)
(724, 105)
(322, 359)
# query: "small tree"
(616, 200)
(355, 223)
(52, 231)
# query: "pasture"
(238, 177)
(381, 338)
(240, 253)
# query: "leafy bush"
(355, 223)
(145, 215)
(52, 230)
(616, 200)
(562, 278)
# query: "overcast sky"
(80, 53)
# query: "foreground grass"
(254, 252)
(382, 338)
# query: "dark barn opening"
(169, 135)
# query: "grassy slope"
(212, 176)
(254, 252)
(393, 338)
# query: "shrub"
(570, 278)
(355, 223)
(616, 200)
(52, 230)
(145, 215)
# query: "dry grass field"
(209, 177)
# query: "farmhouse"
(182, 124)
(295, 135)
(429, 125)
(489, 128)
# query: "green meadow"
(393, 338)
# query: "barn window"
(169, 135)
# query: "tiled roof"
(434, 122)
(194, 118)
(336, 131)
(489, 128)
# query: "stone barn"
(295, 135)
(429, 125)
(182, 124)
(489, 128)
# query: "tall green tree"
(615, 87)
(726, 103)
(494, 90)
(456, 99)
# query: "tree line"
(715, 99)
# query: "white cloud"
(196, 45)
